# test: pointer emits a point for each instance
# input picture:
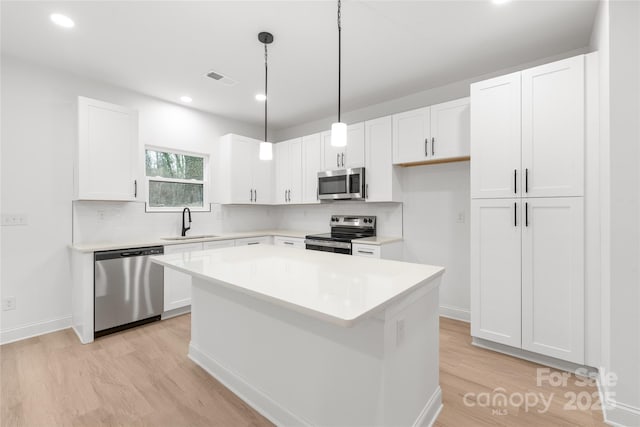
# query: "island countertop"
(333, 287)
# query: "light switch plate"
(14, 219)
(8, 303)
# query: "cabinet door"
(354, 151)
(261, 177)
(108, 152)
(553, 277)
(495, 137)
(311, 165)
(291, 242)
(282, 171)
(331, 156)
(263, 240)
(177, 286)
(369, 251)
(295, 171)
(450, 129)
(241, 161)
(378, 167)
(496, 270)
(553, 129)
(411, 132)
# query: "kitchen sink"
(202, 236)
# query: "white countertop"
(107, 246)
(333, 287)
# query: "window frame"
(206, 204)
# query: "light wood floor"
(142, 377)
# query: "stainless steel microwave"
(341, 184)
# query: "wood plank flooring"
(142, 377)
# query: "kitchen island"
(315, 338)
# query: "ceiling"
(390, 48)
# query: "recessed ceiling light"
(62, 20)
(186, 99)
(500, 1)
(261, 97)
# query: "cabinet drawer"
(263, 240)
(217, 244)
(291, 242)
(370, 251)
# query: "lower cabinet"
(177, 286)
(527, 274)
(262, 240)
(218, 244)
(292, 242)
(392, 250)
(369, 251)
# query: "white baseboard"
(455, 313)
(615, 413)
(176, 312)
(259, 401)
(431, 410)
(34, 329)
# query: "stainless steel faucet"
(185, 229)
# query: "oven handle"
(328, 243)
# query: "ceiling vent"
(227, 81)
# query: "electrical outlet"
(399, 332)
(8, 303)
(14, 219)
(460, 219)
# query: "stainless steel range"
(344, 228)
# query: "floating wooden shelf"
(435, 162)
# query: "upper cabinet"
(351, 156)
(288, 164)
(108, 154)
(311, 165)
(382, 182)
(241, 177)
(528, 132)
(437, 133)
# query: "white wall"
(38, 134)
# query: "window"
(175, 180)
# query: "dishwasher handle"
(128, 253)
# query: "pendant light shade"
(339, 134)
(339, 129)
(266, 148)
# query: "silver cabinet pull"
(338, 160)
(366, 191)
(426, 147)
(253, 243)
(288, 243)
(251, 194)
(433, 146)
(526, 180)
(360, 251)
(515, 181)
(255, 195)
(285, 195)
(342, 159)
(526, 214)
(515, 214)
(135, 188)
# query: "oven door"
(328, 246)
(341, 184)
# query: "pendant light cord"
(339, 56)
(266, 71)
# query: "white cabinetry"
(219, 244)
(527, 238)
(311, 165)
(369, 251)
(242, 178)
(108, 154)
(177, 286)
(288, 163)
(260, 240)
(292, 242)
(382, 183)
(432, 134)
(351, 156)
(390, 250)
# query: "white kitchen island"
(315, 338)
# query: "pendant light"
(266, 148)
(339, 129)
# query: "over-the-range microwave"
(341, 184)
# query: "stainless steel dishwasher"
(128, 289)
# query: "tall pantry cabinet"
(527, 209)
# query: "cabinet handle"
(255, 195)
(342, 159)
(288, 243)
(285, 195)
(515, 214)
(526, 180)
(515, 181)
(526, 214)
(360, 251)
(253, 243)
(426, 147)
(135, 188)
(251, 194)
(366, 191)
(433, 146)
(338, 160)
